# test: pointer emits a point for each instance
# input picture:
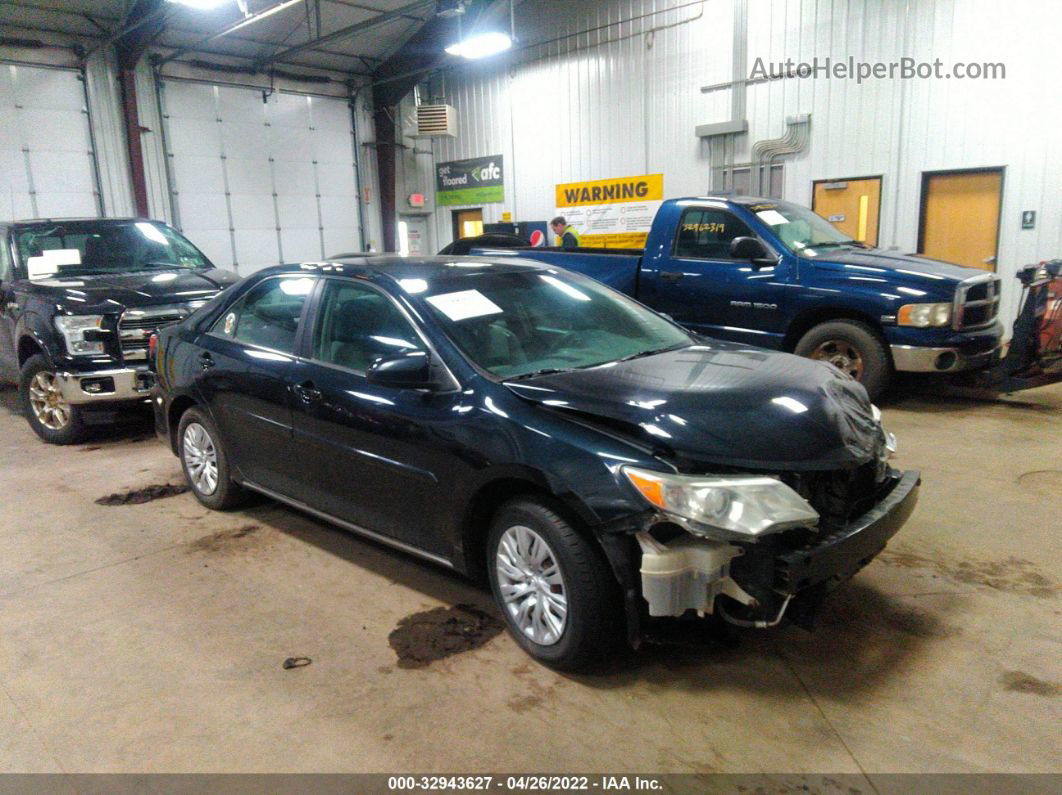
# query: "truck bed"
(616, 267)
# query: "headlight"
(924, 315)
(719, 506)
(73, 328)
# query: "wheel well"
(805, 322)
(177, 409)
(485, 504)
(27, 347)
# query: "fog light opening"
(946, 360)
(97, 386)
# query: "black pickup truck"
(80, 299)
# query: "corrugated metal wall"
(624, 98)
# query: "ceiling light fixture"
(481, 45)
(252, 18)
(201, 5)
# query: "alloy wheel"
(47, 402)
(200, 458)
(842, 355)
(531, 585)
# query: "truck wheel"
(48, 413)
(557, 593)
(853, 347)
(205, 464)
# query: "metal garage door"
(258, 182)
(46, 157)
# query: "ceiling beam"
(349, 31)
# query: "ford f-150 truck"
(776, 275)
(80, 298)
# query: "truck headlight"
(746, 506)
(73, 328)
(924, 315)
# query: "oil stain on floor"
(1014, 574)
(146, 494)
(224, 540)
(1021, 682)
(421, 638)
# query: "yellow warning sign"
(612, 213)
(611, 191)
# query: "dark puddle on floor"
(1021, 682)
(224, 540)
(421, 638)
(146, 494)
(1013, 574)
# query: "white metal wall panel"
(257, 182)
(105, 114)
(46, 152)
(625, 98)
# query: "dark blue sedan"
(604, 468)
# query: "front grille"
(977, 303)
(839, 495)
(137, 325)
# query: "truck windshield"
(517, 324)
(86, 248)
(800, 230)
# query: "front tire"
(205, 463)
(854, 348)
(559, 598)
(45, 409)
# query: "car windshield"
(86, 248)
(517, 324)
(800, 230)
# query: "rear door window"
(705, 233)
(268, 315)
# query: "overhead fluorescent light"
(481, 45)
(262, 15)
(201, 5)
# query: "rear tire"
(559, 598)
(45, 409)
(205, 463)
(853, 347)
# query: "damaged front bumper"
(692, 573)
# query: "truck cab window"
(706, 234)
(268, 316)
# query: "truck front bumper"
(915, 359)
(103, 386)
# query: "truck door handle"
(670, 276)
(307, 392)
(206, 361)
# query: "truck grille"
(137, 325)
(977, 302)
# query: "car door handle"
(206, 361)
(671, 276)
(307, 392)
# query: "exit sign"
(416, 200)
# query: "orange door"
(852, 205)
(960, 217)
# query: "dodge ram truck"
(776, 275)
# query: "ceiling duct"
(436, 121)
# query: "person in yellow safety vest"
(567, 237)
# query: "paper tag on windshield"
(464, 304)
(49, 262)
(772, 218)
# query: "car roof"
(28, 221)
(734, 199)
(409, 267)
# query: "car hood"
(721, 403)
(907, 264)
(112, 291)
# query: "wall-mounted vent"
(436, 121)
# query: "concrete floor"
(150, 638)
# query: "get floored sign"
(475, 181)
(614, 213)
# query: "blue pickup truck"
(776, 275)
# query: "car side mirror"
(410, 370)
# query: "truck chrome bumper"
(105, 385)
(916, 359)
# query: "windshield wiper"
(653, 351)
(543, 371)
(145, 265)
(837, 243)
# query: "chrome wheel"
(531, 585)
(842, 355)
(200, 458)
(49, 407)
